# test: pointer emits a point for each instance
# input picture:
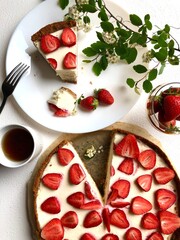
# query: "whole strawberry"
(89, 103)
(104, 96)
(171, 105)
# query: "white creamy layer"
(66, 189)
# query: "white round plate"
(36, 88)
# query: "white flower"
(74, 13)
(82, 2)
(112, 57)
(108, 37)
(147, 57)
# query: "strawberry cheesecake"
(57, 43)
(132, 195)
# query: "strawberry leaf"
(97, 68)
(140, 68)
(63, 3)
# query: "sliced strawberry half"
(65, 156)
(106, 218)
(52, 180)
(140, 205)
(68, 37)
(52, 62)
(163, 175)
(51, 205)
(61, 112)
(92, 219)
(169, 222)
(127, 147)
(76, 199)
(119, 204)
(112, 196)
(110, 236)
(150, 221)
(155, 236)
(87, 236)
(126, 166)
(70, 219)
(133, 234)
(53, 230)
(49, 43)
(165, 198)
(88, 191)
(122, 186)
(145, 182)
(92, 205)
(76, 174)
(118, 219)
(147, 159)
(69, 61)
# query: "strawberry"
(70, 219)
(104, 96)
(94, 204)
(65, 156)
(76, 199)
(112, 196)
(110, 236)
(61, 113)
(122, 186)
(92, 219)
(155, 236)
(76, 174)
(133, 234)
(106, 218)
(49, 43)
(150, 221)
(163, 123)
(126, 166)
(140, 205)
(89, 103)
(163, 175)
(88, 191)
(119, 204)
(145, 182)
(52, 180)
(147, 158)
(171, 105)
(69, 61)
(53, 230)
(165, 198)
(112, 171)
(87, 236)
(154, 106)
(52, 62)
(127, 147)
(169, 222)
(68, 37)
(51, 205)
(118, 218)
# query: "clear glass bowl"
(155, 108)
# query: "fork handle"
(3, 103)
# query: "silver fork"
(11, 82)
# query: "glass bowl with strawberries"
(164, 107)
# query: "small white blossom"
(108, 37)
(112, 57)
(82, 2)
(87, 27)
(147, 57)
(74, 13)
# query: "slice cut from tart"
(105, 185)
(57, 43)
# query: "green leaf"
(99, 36)
(87, 61)
(97, 68)
(86, 19)
(99, 3)
(89, 52)
(161, 55)
(102, 15)
(152, 74)
(135, 20)
(147, 86)
(140, 68)
(107, 26)
(63, 4)
(130, 82)
(92, 2)
(174, 60)
(161, 70)
(99, 46)
(103, 62)
(131, 55)
(88, 8)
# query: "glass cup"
(155, 108)
(19, 145)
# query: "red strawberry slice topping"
(127, 147)
(68, 37)
(76, 199)
(76, 174)
(106, 218)
(163, 175)
(150, 221)
(126, 166)
(171, 106)
(112, 196)
(88, 191)
(145, 182)
(52, 180)
(53, 230)
(110, 236)
(65, 156)
(140, 205)
(112, 171)
(61, 113)
(94, 204)
(147, 158)
(118, 219)
(49, 43)
(155, 236)
(87, 236)
(169, 222)
(51, 205)
(165, 198)
(123, 187)
(133, 234)
(119, 204)
(52, 62)
(69, 61)
(70, 219)
(92, 219)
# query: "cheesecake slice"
(57, 43)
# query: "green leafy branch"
(118, 42)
